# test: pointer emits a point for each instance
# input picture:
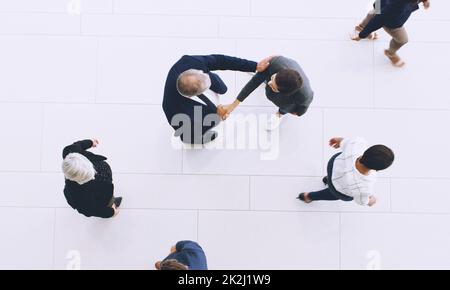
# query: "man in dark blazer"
(189, 79)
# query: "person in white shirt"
(352, 173)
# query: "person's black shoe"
(301, 197)
(325, 180)
(118, 201)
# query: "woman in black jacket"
(89, 186)
(391, 15)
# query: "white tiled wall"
(65, 77)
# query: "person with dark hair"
(287, 86)
(390, 15)
(185, 255)
(351, 174)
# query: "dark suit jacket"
(174, 103)
(92, 198)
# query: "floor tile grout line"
(182, 161)
(177, 37)
(219, 19)
(97, 65)
(54, 238)
(317, 108)
(249, 193)
(41, 151)
(340, 241)
(81, 23)
(226, 175)
(390, 194)
(273, 211)
(323, 138)
(373, 76)
(241, 16)
(198, 224)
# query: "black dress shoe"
(301, 197)
(118, 201)
(325, 180)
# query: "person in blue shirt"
(185, 255)
(390, 15)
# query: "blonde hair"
(78, 168)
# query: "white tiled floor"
(67, 77)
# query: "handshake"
(224, 111)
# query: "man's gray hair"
(78, 168)
(193, 82)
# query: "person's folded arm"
(77, 147)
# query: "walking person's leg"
(364, 23)
(325, 194)
(366, 20)
(399, 39)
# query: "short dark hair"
(288, 81)
(173, 265)
(378, 157)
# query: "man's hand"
(426, 4)
(173, 249)
(228, 109)
(372, 200)
(264, 64)
(94, 143)
(158, 265)
(222, 112)
(336, 142)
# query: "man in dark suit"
(188, 110)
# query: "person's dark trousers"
(329, 193)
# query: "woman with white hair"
(89, 186)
